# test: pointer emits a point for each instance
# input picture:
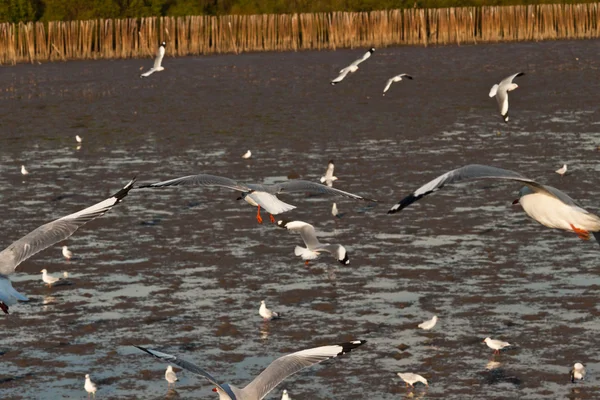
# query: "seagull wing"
(508, 80)
(289, 364)
(307, 232)
(341, 76)
(363, 58)
(159, 57)
(475, 171)
(388, 84)
(148, 73)
(183, 364)
(298, 185)
(200, 180)
(329, 171)
(55, 231)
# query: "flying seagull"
(247, 154)
(352, 67)
(43, 237)
(313, 246)
(272, 376)
(500, 91)
(395, 79)
(545, 204)
(328, 178)
(258, 195)
(157, 61)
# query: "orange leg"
(272, 219)
(258, 217)
(306, 262)
(582, 233)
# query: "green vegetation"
(65, 10)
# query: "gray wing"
(200, 180)
(55, 231)
(508, 80)
(188, 366)
(288, 365)
(363, 58)
(298, 185)
(159, 57)
(473, 171)
(341, 76)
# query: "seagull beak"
(214, 389)
(515, 202)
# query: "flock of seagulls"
(545, 204)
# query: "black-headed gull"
(90, 387)
(157, 61)
(313, 246)
(577, 372)
(170, 376)
(352, 67)
(395, 79)
(410, 379)
(429, 324)
(24, 170)
(258, 195)
(266, 313)
(497, 345)
(68, 254)
(562, 170)
(545, 204)
(272, 376)
(328, 178)
(500, 91)
(285, 395)
(49, 279)
(247, 154)
(43, 237)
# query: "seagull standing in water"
(24, 170)
(497, 345)
(285, 395)
(352, 67)
(313, 246)
(170, 376)
(257, 195)
(90, 387)
(545, 204)
(500, 91)
(396, 78)
(410, 379)
(247, 154)
(48, 279)
(266, 313)
(562, 170)
(577, 372)
(328, 178)
(68, 254)
(272, 376)
(157, 61)
(429, 324)
(78, 139)
(43, 237)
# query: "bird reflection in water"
(264, 330)
(172, 394)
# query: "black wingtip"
(405, 202)
(347, 347)
(143, 349)
(408, 76)
(123, 192)
(282, 223)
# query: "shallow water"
(184, 270)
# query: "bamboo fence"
(126, 38)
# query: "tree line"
(68, 10)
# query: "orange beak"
(214, 389)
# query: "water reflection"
(172, 394)
(264, 330)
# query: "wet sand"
(184, 270)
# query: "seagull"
(272, 376)
(410, 379)
(258, 195)
(24, 170)
(170, 376)
(578, 372)
(500, 91)
(329, 178)
(497, 345)
(266, 313)
(157, 61)
(313, 246)
(247, 154)
(68, 254)
(78, 139)
(285, 395)
(562, 170)
(335, 212)
(43, 237)
(90, 387)
(49, 279)
(352, 67)
(429, 324)
(545, 204)
(395, 79)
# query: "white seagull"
(410, 379)
(429, 324)
(285, 395)
(170, 376)
(43, 237)
(68, 254)
(49, 279)
(329, 178)
(545, 204)
(313, 246)
(157, 61)
(500, 91)
(335, 212)
(352, 67)
(272, 376)
(247, 154)
(577, 372)
(497, 345)
(90, 387)
(562, 170)
(258, 195)
(395, 79)
(266, 313)
(78, 139)
(24, 170)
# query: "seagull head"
(44, 271)
(487, 339)
(163, 44)
(372, 49)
